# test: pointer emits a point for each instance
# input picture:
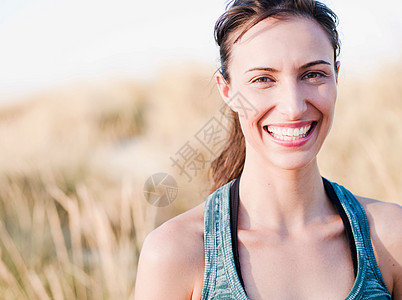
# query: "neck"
(281, 199)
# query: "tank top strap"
(369, 283)
(220, 276)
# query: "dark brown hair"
(244, 14)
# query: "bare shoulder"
(171, 263)
(385, 222)
(385, 218)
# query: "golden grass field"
(74, 161)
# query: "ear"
(223, 87)
(338, 66)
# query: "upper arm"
(386, 231)
(165, 268)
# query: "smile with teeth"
(289, 133)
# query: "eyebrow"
(308, 65)
(272, 70)
(313, 63)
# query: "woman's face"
(283, 71)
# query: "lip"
(296, 143)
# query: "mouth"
(284, 133)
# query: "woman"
(299, 236)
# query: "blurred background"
(97, 96)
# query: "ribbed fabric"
(221, 280)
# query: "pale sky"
(50, 42)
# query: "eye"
(314, 75)
(262, 80)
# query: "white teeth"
(288, 133)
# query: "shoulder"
(385, 222)
(183, 232)
(385, 219)
(172, 258)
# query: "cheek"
(326, 99)
(251, 106)
(251, 124)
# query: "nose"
(291, 100)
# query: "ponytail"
(229, 164)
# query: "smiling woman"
(273, 228)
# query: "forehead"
(276, 41)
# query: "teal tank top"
(221, 280)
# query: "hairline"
(280, 16)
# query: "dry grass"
(77, 246)
(74, 162)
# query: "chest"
(300, 268)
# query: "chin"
(290, 162)
(281, 160)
